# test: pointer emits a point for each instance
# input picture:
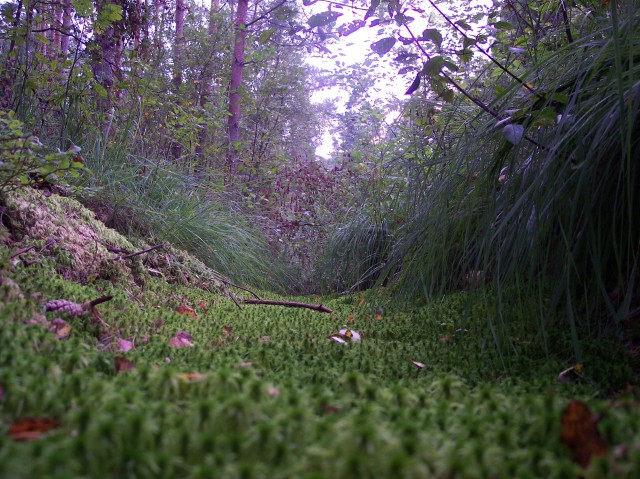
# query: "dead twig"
(101, 299)
(21, 251)
(290, 304)
(137, 253)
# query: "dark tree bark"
(9, 75)
(237, 68)
(178, 47)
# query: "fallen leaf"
(361, 302)
(182, 339)
(273, 391)
(445, 339)
(227, 330)
(418, 364)
(351, 319)
(192, 377)
(124, 345)
(378, 315)
(351, 334)
(31, 428)
(328, 409)
(60, 328)
(123, 364)
(185, 310)
(158, 324)
(571, 374)
(580, 433)
(202, 305)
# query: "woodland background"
(513, 162)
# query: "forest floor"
(170, 379)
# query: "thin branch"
(21, 251)
(265, 14)
(290, 304)
(565, 18)
(137, 253)
(101, 299)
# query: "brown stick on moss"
(290, 304)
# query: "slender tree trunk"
(178, 47)
(237, 67)
(9, 75)
(67, 9)
(207, 83)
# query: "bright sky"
(355, 49)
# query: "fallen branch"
(290, 304)
(21, 251)
(101, 299)
(137, 253)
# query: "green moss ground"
(279, 399)
(361, 410)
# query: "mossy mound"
(82, 249)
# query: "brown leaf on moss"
(60, 328)
(192, 377)
(185, 310)
(123, 364)
(182, 339)
(31, 428)
(580, 433)
(202, 305)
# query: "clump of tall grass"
(155, 199)
(559, 207)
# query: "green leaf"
(464, 25)
(433, 66)
(383, 46)
(406, 57)
(432, 34)
(372, 8)
(402, 19)
(414, 86)
(322, 19)
(348, 28)
(502, 25)
(266, 35)
(448, 95)
(83, 8)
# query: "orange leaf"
(185, 310)
(351, 319)
(361, 302)
(192, 377)
(580, 433)
(202, 305)
(123, 364)
(378, 315)
(31, 428)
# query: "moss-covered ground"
(265, 392)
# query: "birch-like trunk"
(237, 67)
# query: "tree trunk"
(237, 67)
(67, 8)
(9, 75)
(207, 88)
(178, 47)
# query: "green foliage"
(25, 161)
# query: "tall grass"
(146, 195)
(561, 210)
